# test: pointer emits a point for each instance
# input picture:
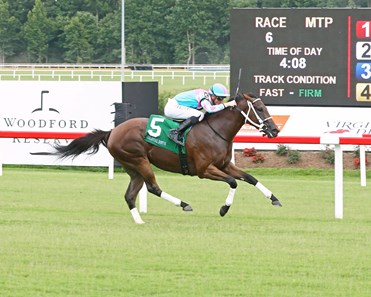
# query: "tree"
(37, 32)
(108, 48)
(8, 36)
(80, 36)
(20, 8)
(199, 26)
(147, 36)
(100, 8)
(156, 31)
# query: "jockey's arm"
(211, 108)
(208, 107)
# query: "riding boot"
(176, 135)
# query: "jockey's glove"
(229, 104)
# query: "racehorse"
(208, 151)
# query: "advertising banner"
(54, 107)
(314, 121)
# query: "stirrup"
(174, 136)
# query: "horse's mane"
(241, 96)
(238, 97)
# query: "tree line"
(156, 31)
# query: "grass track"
(69, 233)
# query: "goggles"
(219, 98)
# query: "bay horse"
(208, 150)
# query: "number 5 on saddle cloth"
(157, 131)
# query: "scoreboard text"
(310, 57)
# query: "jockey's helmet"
(218, 90)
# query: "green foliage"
(8, 32)
(282, 150)
(37, 32)
(162, 100)
(147, 31)
(356, 151)
(198, 33)
(329, 155)
(293, 157)
(106, 46)
(156, 31)
(80, 38)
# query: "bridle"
(261, 121)
(260, 126)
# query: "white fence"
(89, 75)
(198, 67)
(182, 77)
(327, 139)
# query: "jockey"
(188, 106)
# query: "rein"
(216, 132)
(259, 125)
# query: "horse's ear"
(251, 95)
(238, 97)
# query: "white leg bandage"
(170, 198)
(136, 216)
(230, 197)
(264, 190)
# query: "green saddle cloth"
(157, 132)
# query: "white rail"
(112, 75)
(328, 139)
(212, 67)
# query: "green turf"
(69, 233)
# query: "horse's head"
(256, 114)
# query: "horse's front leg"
(214, 173)
(239, 174)
(228, 202)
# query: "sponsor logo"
(41, 108)
(44, 118)
(354, 127)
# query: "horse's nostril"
(273, 133)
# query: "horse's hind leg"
(154, 188)
(136, 183)
(185, 206)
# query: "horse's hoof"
(276, 203)
(187, 208)
(223, 210)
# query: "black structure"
(303, 57)
(139, 99)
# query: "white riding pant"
(173, 110)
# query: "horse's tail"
(89, 143)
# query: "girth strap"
(183, 161)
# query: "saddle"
(157, 132)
